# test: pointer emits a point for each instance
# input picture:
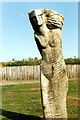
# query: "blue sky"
(18, 36)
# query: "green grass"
(24, 100)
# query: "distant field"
(23, 101)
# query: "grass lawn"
(23, 101)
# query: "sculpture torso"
(51, 51)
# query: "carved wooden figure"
(47, 25)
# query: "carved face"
(36, 18)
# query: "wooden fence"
(32, 72)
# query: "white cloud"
(23, 16)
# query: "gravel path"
(18, 82)
(21, 82)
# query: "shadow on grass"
(18, 116)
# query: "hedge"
(37, 61)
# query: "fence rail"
(32, 72)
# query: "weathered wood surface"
(73, 71)
(32, 72)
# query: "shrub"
(36, 61)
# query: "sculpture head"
(52, 19)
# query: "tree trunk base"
(54, 104)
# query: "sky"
(18, 36)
